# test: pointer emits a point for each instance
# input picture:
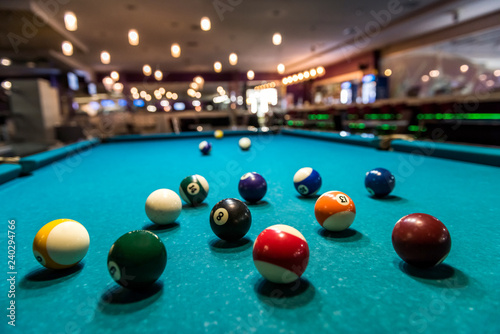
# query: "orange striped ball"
(335, 211)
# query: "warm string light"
(250, 75)
(115, 76)
(265, 86)
(158, 75)
(306, 75)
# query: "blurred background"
(72, 70)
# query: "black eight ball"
(230, 219)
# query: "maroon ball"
(421, 240)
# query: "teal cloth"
(476, 154)
(9, 172)
(354, 283)
(359, 140)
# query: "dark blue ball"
(252, 187)
(205, 147)
(379, 182)
(307, 181)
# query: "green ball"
(137, 259)
(194, 189)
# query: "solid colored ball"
(163, 206)
(194, 189)
(307, 181)
(335, 211)
(218, 134)
(137, 259)
(60, 244)
(379, 182)
(230, 219)
(252, 187)
(421, 240)
(205, 147)
(245, 143)
(281, 254)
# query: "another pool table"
(355, 281)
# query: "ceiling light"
(133, 37)
(146, 69)
(205, 23)
(115, 76)
(250, 75)
(5, 61)
(118, 87)
(425, 78)
(105, 57)
(388, 72)
(217, 67)
(300, 76)
(199, 80)
(7, 85)
(306, 74)
(320, 70)
(434, 73)
(295, 78)
(70, 21)
(233, 59)
(285, 81)
(175, 50)
(281, 68)
(277, 38)
(67, 48)
(313, 72)
(497, 73)
(464, 68)
(158, 75)
(108, 83)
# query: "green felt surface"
(354, 282)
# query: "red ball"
(421, 240)
(281, 254)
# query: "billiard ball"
(379, 182)
(421, 240)
(60, 244)
(230, 219)
(205, 147)
(281, 254)
(307, 181)
(137, 259)
(163, 206)
(335, 211)
(252, 187)
(193, 189)
(245, 143)
(218, 134)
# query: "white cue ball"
(163, 206)
(245, 143)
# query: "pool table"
(355, 282)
